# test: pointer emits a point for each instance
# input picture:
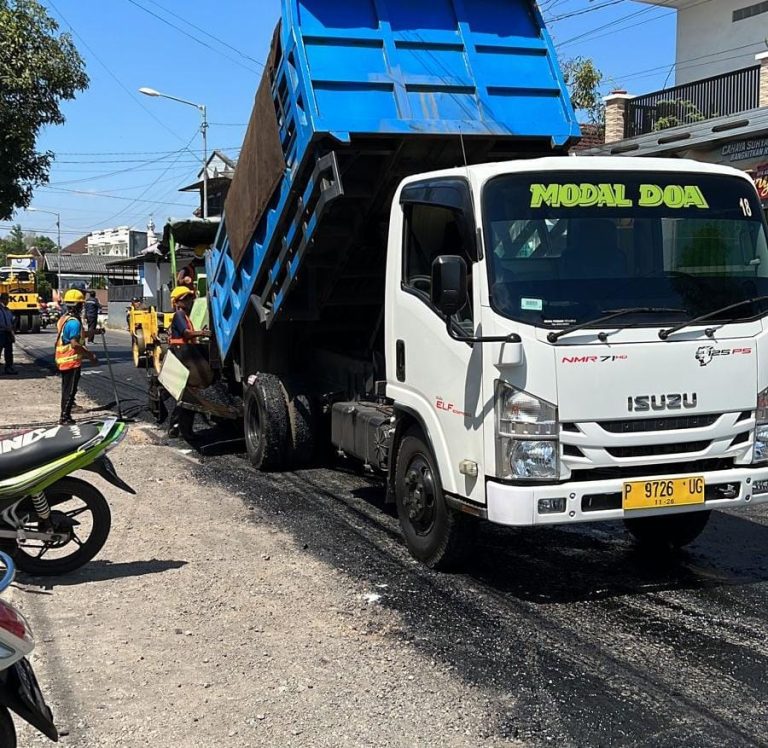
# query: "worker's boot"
(10, 370)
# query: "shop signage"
(761, 181)
(743, 150)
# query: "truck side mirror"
(449, 284)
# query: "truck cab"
(573, 340)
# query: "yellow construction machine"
(18, 280)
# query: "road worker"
(184, 345)
(70, 351)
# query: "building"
(221, 170)
(122, 241)
(78, 247)
(717, 36)
(720, 119)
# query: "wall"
(708, 40)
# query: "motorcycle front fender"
(103, 467)
(20, 692)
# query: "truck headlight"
(760, 451)
(526, 435)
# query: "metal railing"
(719, 96)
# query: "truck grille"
(642, 425)
(652, 450)
(634, 471)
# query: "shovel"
(120, 415)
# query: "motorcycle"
(19, 690)
(45, 513)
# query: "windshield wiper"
(710, 331)
(553, 337)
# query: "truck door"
(432, 375)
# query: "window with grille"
(751, 10)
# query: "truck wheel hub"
(419, 500)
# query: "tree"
(39, 68)
(583, 80)
(42, 244)
(44, 288)
(14, 242)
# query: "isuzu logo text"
(643, 403)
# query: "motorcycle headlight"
(526, 435)
(760, 450)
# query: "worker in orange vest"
(70, 351)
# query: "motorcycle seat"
(26, 451)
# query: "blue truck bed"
(366, 92)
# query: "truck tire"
(23, 324)
(36, 324)
(434, 533)
(266, 423)
(670, 531)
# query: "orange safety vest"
(190, 326)
(66, 356)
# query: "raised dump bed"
(357, 95)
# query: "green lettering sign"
(606, 195)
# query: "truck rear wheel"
(267, 429)
(36, 324)
(434, 533)
(23, 323)
(673, 530)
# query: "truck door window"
(431, 231)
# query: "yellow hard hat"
(180, 292)
(74, 296)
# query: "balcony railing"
(693, 102)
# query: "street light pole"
(203, 129)
(58, 242)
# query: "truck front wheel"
(672, 530)
(266, 422)
(434, 533)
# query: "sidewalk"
(201, 624)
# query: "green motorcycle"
(50, 522)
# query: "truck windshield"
(564, 246)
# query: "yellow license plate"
(657, 494)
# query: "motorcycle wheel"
(7, 729)
(70, 499)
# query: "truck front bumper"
(601, 500)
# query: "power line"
(149, 187)
(136, 153)
(584, 11)
(110, 197)
(112, 75)
(207, 33)
(609, 27)
(192, 36)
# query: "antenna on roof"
(463, 149)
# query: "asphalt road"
(96, 381)
(574, 637)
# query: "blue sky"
(122, 157)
